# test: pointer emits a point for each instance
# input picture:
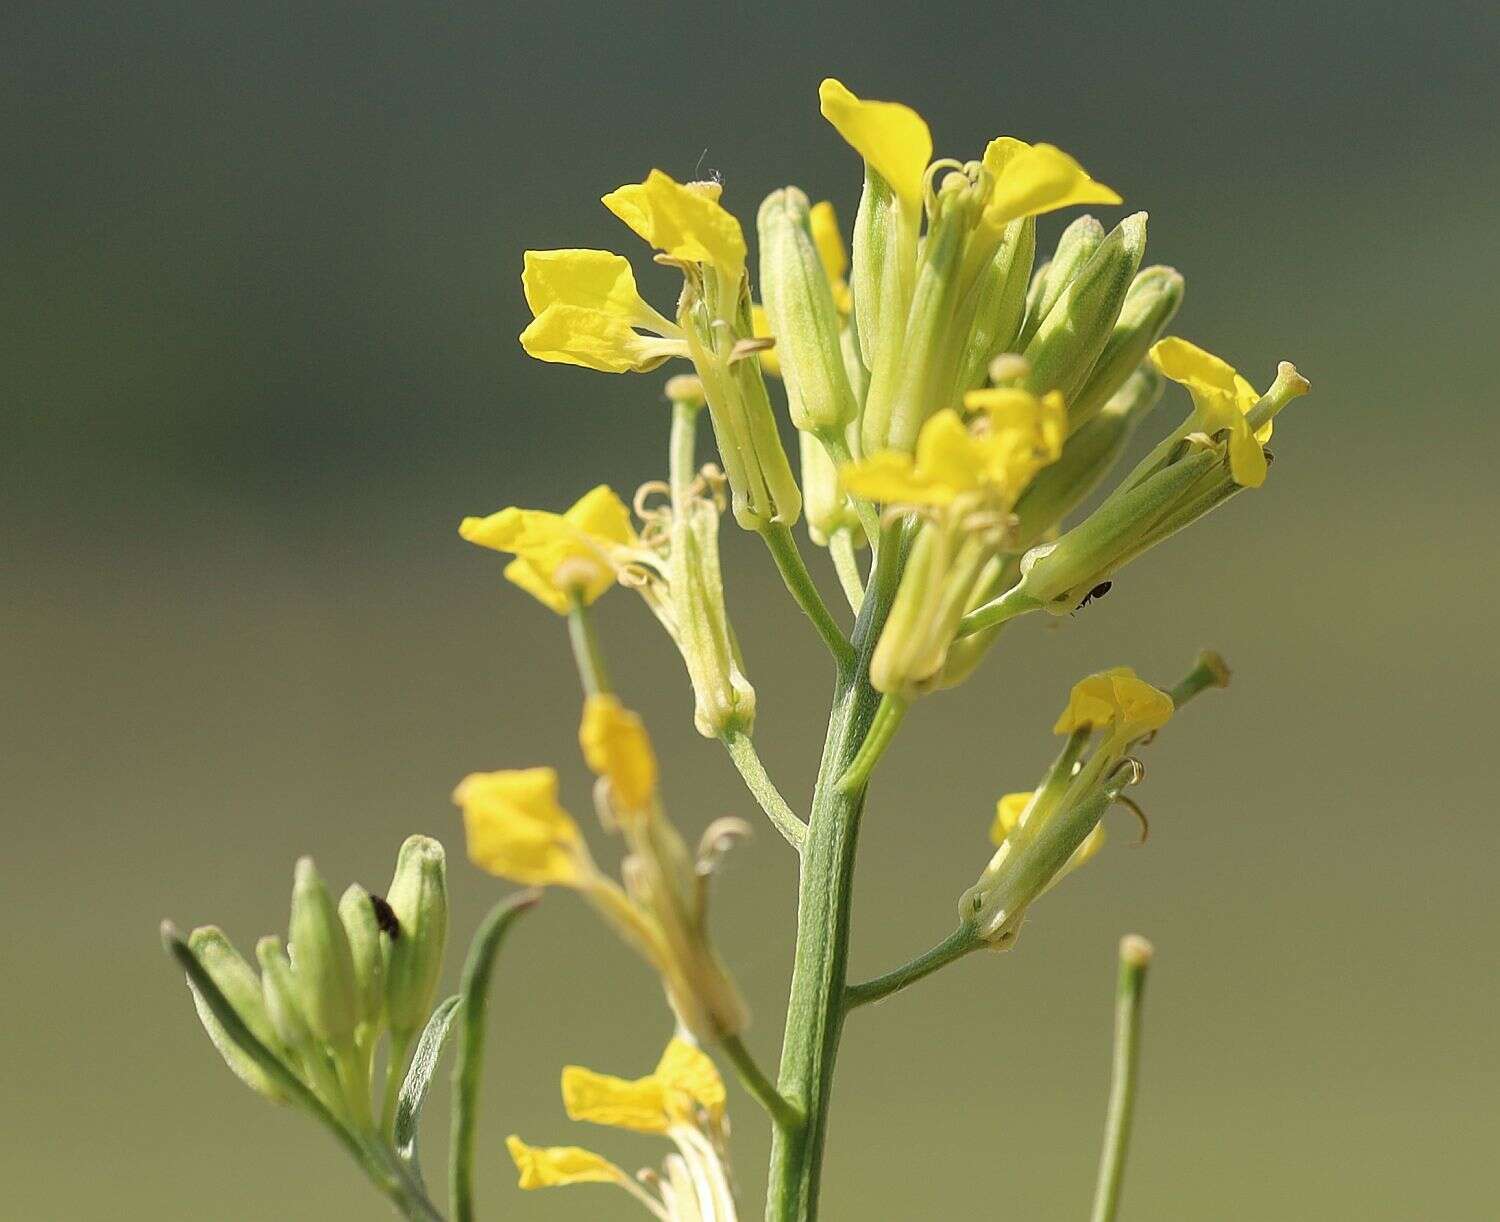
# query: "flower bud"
(1153, 299)
(881, 279)
(325, 965)
(357, 912)
(419, 897)
(799, 306)
(723, 698)
(828, 510)
(1087, 458)
(237, 981)
(279, 987)
(1074, 331)
(1075, 247)
(1000, 303)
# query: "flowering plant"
(954, 409)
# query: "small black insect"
(1099, 591)
(385, 917)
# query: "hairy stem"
(815, 1009)
(783, 548)
(955, 946)
(763, 789)
(783, 1114)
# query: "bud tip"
(1136, 951)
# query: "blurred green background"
(259, 299)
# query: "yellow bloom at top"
(559, 556)
(684, 1080)
(1221, 398)
(1116, 700)
(952, 461)
(515, 827)
(615, 745)
(1031, 179)
(893, 139)
(683, 221)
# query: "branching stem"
(742, 751)
(955, 946)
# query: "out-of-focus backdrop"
(258, 309)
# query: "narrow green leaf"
(419, 1078)
(473, 1002)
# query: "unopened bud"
(799, 306)
(279, 987)
(237, 981)
(1075, 247)
(1153, 299)
(684, 390)
(1075, 330)
(419, 897)
(325, 965)
(1001, 303)
(357, 912)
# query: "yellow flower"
(554, 1166)
(827, 237)
(684, 1080)
(893, 139)
(559, 556)
(1115, 700)
(1015, 810)
(952, 461)
(1030, 179)
(683, 221)
(516, 829)
(615, 745)
(1221, 399)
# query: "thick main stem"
(815, 1010)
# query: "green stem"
(682, 451)
(815, 1009)
(1135, 958)
(747, 760)
(883, 729)
(996, 612)
(587, 652)
(955, 946)
(841, 549)
(474, 994)
(783, 548)
(783, 1114)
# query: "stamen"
(1139, 814)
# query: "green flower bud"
(1087, 457)
(1153, 299)
(236, 979)
(883, 255)
(723, 698)
(279, 988)
(324, 962)
(1000, 303)
(1075, 248)
(357, 912)
(419, 898)
(799, 307)
(1074, 331)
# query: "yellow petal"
(1117, 700)
(543, 542)
(949, 462)
(1032, 179)
(687, 1069)
(553, 1166)
(1008, 813)
(1221, 397)
(760, 327)
(591, 279)
(1025, 434)
(597, 1098)
(575, 335)
(516, 829)
(893, 139)
(684, 221)
(615, 745)
(833, 255)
